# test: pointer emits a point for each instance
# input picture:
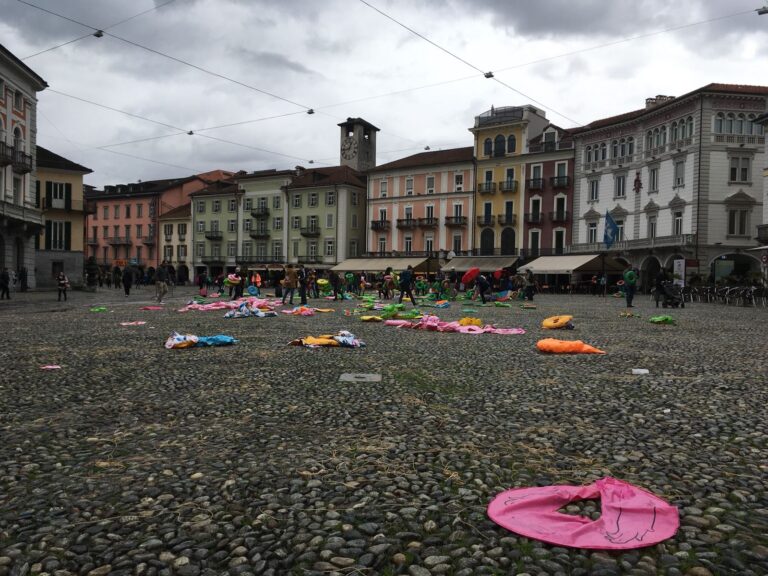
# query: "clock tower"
(358, 144)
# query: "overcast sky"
(343, 58)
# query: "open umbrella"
(470, 275)
(498, 273)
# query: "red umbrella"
(498, 273)
(470, 275)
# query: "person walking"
(161, 281)
(661, 278)
(406, 285)
(335, 281)
(63, 283)
(301, 277)
(630, 284)
(389, 284)
(530, 283)
(5, 281)
(127, 280)
(291, 280)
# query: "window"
(181, 230)
(456, 244)
(651, 226)
(116, 231)
(355, 199)
(409, 186)
(592, 232)
(201, 226)
(408, 244)
(214, 226)
(487, 147)
(232, 225)
(511, 144)
(312, 223)
(329, 220)
(277, 223)
(382, 244)
(408, 213)
(232, 205)
(352, 248)
(248, 206)
(330, 198)
(737, 222)
(139, 210)
(57, 236)
(561, 169)
(488, 177)
(247, 223)
(140, 231)
(261, 249)
(18, 100)
(330, 247)
(588, 154)
(382, 214)
(740, 169)
(127, 230)
(719, 123)
(105, 231)
(430, 184)
(167, 252)
(620, 227)
(231, 249)
(312, 199)
(615, 149)
(276, 204)
(116, 211)
(261, 203)
(603, 151)
(216, 206)
(296, 222)
(296, 200)
(105, 213)
(429, 243)
(620, 186)
(458, 182)
(499, 146)
(181, 252)
(429, 211)
(594, 190)
(458, 209)
(630, 145)
(729, 124)
(738, 124)
(138, 253)
(200, 250)
(679, 173)
(312, 249)
(653, 180)
(677, 223)
(673, 132)
(535, 243)
(383, 189)
(353, 221)
(277, 249)
(559, 241)
(201, 206)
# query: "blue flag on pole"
(611, 230)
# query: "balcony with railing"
(92, 241)
(678, 241)
(407, 223)
(260, 212)
(738, 139)
(6, 154)
(655, 151)
(120, 240)
(22, 162)
(214, 234)
(486, 187)
(430, 222)
(310, 231)
(534, 217)
(506, 219)
(381, 225)
(560, 181)
(561, 216)
(310, 259)
(535, 183)
(508, 186)
(551, 146)
(621, 160)
(71, 206)
(456, 221)
(259, 234)
(486, 220)
(212, 259)
(148, 240)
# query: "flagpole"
(604, 279)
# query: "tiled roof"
(16, 61)
(328, 177)
(451, 156)
(358, 121)
(183, 211)
(263, 174)
(47, 159)
(219, 188)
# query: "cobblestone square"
(256, 459)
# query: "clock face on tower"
(349, 148)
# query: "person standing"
(127, 280)
(482, 286)
(240, 286)
(5, 281)
(389, 284)
(63, 283)
(406, 285)
(335, 281)
(291, 280)
(530, 284)
(661, 278)
(161, 282)
(630, 284)
(301, 277)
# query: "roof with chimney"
(328, 176)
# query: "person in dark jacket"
(127, 280)
(483, 286)
(406, 285)
(335, 284)
(5, 283)
(63, 283)
(161, 281)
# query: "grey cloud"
(272, 61)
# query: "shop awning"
(379, 264)
(485, 263)
(571, 264)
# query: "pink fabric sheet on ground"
(630, 516)
(229, 305)
(433, 323)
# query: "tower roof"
(359, 121)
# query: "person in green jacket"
(630, 283)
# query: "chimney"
(299, 170)
(659, 99)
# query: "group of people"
(10, 281)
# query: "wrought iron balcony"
(534, 217)
(310, 259)
(407, 223)
(456, 221)
(310, 231)
(679, 241)
(148, 240)
(259, 234)
(486, 187)
(381, 225)
(508, 186)
(6, 154)
(487, 220)
(562, 216)
(535, 183)
(430, 222)
(212, 259)
(214, 234)
(22, 163)
(119, 240)
(92, 241)
(560, 181)
(506, 219)
(260, 212)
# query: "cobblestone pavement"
(255, 459)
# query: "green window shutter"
(68, 197)
(48, 195)
(67, 235)
(48, 234)
(37, 193)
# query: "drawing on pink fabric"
(630, 516)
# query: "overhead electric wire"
(174, 58)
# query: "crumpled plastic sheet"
(555, 346)
(178, 341)
(434, 324)
(246, 311)
(305, 311)
(251, 301)
(342, 339)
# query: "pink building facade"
(422, 204)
